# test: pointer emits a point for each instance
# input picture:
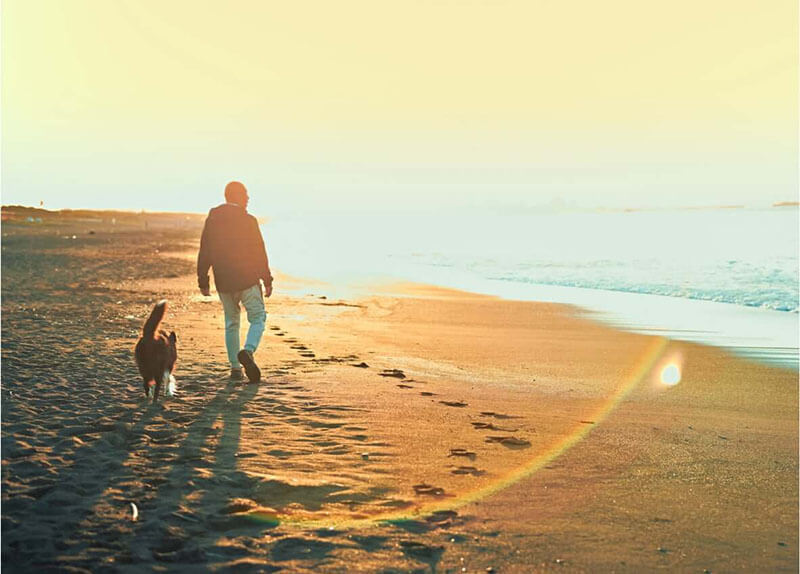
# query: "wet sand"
(405, 428)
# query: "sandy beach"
(405, 428)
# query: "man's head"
(236, 192)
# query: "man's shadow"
(190, 510)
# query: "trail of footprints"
(508, 440)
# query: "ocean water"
(727, 277)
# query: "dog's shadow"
(178, 461)
(158, 457)
(196, 487)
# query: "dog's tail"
(155, 319)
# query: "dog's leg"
(169, 384)
(157, 391)
(148, 388)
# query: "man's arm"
(263, 265)
(204, 261)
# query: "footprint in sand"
(462, 452)
(238, 505)
(423, 489)
(361, 365)
(442, 516)
(458, 404)
(509, 441)
(405, 386)
(396, 373)
(498, 415)
(275, 328)
(422, 552)
(299, 347)
(428, 394)
(290, 548)
(471, 470)
(491, 426)
(307, 354)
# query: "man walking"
(232, 244)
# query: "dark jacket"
(232, 244)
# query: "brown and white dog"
(156, 354)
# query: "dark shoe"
(246, 359)
(236, 374)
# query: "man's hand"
(267, 289)
(206, 291)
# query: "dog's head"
(168, 344)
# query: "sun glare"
(671, 374)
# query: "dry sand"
(404, 429)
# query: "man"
(232, 244)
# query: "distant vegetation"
(35, 215)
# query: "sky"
(402, 105)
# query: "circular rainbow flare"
(640, 370)
(669, 371)
(671, 374)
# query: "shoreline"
(414, 428)
(669, 284)
(763, 335)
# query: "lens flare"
(671, 374)
(647, 363)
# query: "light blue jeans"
(253, 302)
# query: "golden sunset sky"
(492, 104)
